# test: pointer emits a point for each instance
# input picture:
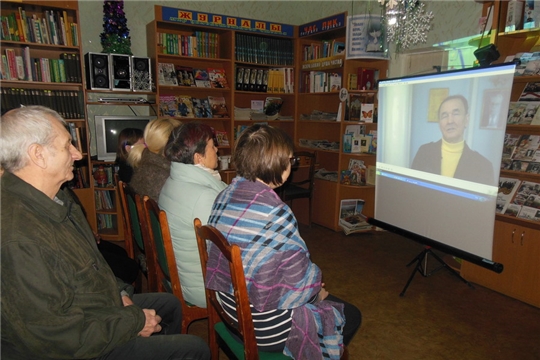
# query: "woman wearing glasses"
(288, 299)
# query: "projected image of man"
(451, 156)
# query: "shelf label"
(225, 22)
(330, 23)
(321, 64)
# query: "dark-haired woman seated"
(292, 311)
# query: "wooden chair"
(167, 273)
(217, 330)
(302, 187)
(135, 233)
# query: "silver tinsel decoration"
(407, 22)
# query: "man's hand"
(127, 301)
(151, 324)
(322, 294)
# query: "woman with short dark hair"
(292, 312)
(189, 193)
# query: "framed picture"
(436, 96)
(494, 114)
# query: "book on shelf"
(514, 15)
(272, 107)
(184, 75)
(531, 92)
(167, 74)
(184, 104)
(366, 79)
(531, 14)
(525, 203)
(218, 106)
(351, 219)
(357, 169)
(367, 112)
(507, 189)
(222, 138)
(365, 143)
(217, 78)
(167, 105)
(371, 173)
(355, 107)
(201, 78)
(201, 108)
(239, 78)
(334, 82)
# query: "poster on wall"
(365, 37)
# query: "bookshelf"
(191, 40)
(516, 242)
(108, 210)
(44, 39)
(320, 53)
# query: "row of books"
(78, 136)
(521, 153)
(274, 80)
(80, 178)
(351, 219)
(68, 103)
(66, 69)
(190, 107)
(176, 75)
(518, 198)
(53, 28)
(360, 107)
(323, 49)
(200, 44)
(522, 15)
(106, 221)
(320, 81)
(103, 200)
(264, 50)
(356, 140)
(524, 113)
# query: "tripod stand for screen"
(421, 267)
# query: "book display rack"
(221, 63)
(41, 65)
(319, 120)
(517, 239)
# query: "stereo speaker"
(120, 70)
(141, 74)
(97, 71)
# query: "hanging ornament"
(407, 22)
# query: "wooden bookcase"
(62, 86)
(218, 46)
(516, 242)
(108, 210)
(328, 194)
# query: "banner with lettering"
(225, 22)
(365, 37)
(330, 23)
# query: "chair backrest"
(310, 178)
(126, 218)
(166, 271)
(244, 330)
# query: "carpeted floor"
(439, 317)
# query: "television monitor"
(434, 194)
(108, 127)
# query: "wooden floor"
(439, 317)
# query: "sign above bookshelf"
(225, 22)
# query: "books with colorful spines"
(201, 78)
(222, 138)
(351, 219)
(184, 103)
(184, 75)
(201, 108)
(218, 106)
(217, 78)
(167, 105)
(167, 74)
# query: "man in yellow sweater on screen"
(451, 156)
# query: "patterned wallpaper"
(453, 19)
